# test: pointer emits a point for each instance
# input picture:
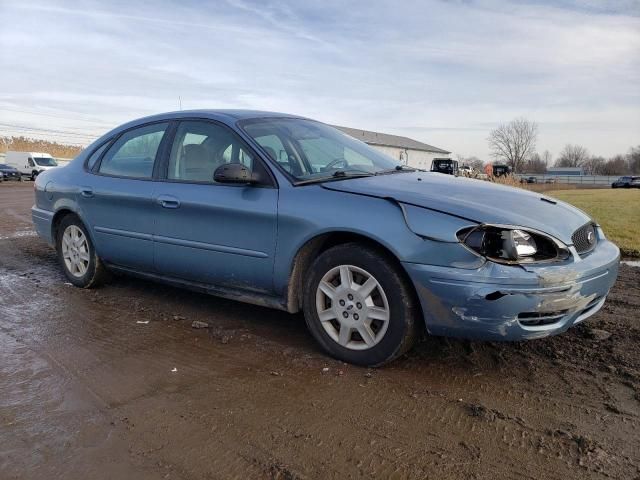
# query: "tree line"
(25, 144)
(514, 144)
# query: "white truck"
(30, 163)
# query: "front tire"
(81, 265)
(359, 307)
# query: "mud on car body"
(290, 213)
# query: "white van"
(30, 163)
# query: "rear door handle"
(86, 192)
(167, 201)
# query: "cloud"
(441, 72)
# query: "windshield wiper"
(337, 175)
(397, 168)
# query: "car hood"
(475, 200)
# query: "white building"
(408, 151)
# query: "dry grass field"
(618, 211)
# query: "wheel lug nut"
(356, 316)
(345, 314)
(342, 303)
(350, 297)
(359, 305)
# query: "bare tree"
(514, 142)
(572, 156)
(473, 162)
(535, 164)
(547, 158)
(615, 166)
(593, 165)
(633, 158)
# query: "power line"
(48, 130)
(75, 118)
(75, 130)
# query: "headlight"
(512, 244)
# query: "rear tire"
(77, 255)
(359, 306)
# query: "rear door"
(117, 199)
(208, 232)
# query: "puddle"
(631, 263)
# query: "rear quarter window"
(91, 162)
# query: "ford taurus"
(289, 213)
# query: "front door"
(208, 232)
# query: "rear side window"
(134, 153)
(95, 156)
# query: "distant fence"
(602, 180)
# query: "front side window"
(200, 148)
(134, 153)
(310, 150)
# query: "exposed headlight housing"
(512, 245)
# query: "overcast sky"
(441, 72)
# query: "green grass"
(617, 211)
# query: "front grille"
(584, 239)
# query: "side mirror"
(233, 173)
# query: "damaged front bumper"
(504, 302)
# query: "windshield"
(4, 166)
(310, 150)
(45, 161)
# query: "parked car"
(467, 171)
(528, 180)
(9, 173)
(628, 181)
(500, 170)
(445, 165)
(30, 164)
(289, 213)
(550, 180)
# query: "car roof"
(227, 116)
(224, 115)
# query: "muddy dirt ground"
(115, 383)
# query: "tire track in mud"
(397, 461)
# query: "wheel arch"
(318, 244)
(62, 213)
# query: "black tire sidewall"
(402, 324)
(87, 279)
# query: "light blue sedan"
(289, 213)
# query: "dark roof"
(387, 140)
